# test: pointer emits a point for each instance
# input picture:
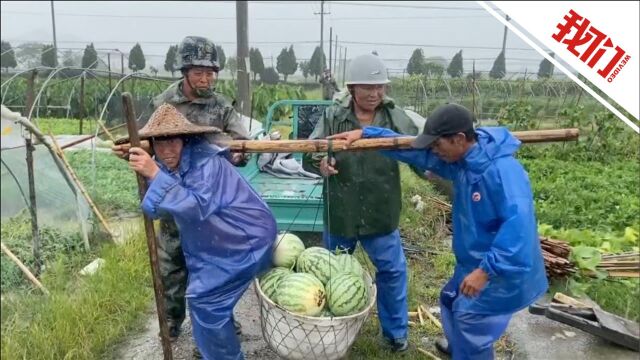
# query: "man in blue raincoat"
(226, 229)
(499, 266)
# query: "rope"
(328, 226)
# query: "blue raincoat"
(494, 223)
(226, 231)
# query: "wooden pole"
(81, 103)
(322, 145)
(243, 105)
(109, 69)
(33, 208)
(105, 131)
(129, 114)
(344, 68)
(89, 137)
(83, 191)
(24, 269)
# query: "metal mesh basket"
(294, 336)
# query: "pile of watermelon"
(314, 281)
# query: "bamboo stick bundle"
(557, 266)
(557, 247)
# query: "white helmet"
(367, 69)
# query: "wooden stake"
(78, 183)
(404, 142)
(89, 137)
(430, 355)
(106, 131)
(152, 240)
(24, 269)
(431, 317)
(420, 316)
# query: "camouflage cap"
(197, 51)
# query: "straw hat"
(168, 121)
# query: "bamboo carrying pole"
(89, 137)
(132, 126)
(78, 183)
(24, 269)
(322, 145)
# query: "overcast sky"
(394, 30)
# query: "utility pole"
(55, 42)
(504, 39)
(330, 47)
(335, 55)
(344, 67)
(339, 60)
(243, 105)
(322, 14)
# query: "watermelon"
(319, 262)
(325, 313)
(286, 250)
(269, 281)
(349, 264)
(301, 293)
(347, 294)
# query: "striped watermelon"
(319, 262)
(347, 294)
(269, 281)
(286, 250)
(301, 293)
(325, 313)
(349, 264)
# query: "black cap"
(445, 120)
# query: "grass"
(65, 126)
(83, 316)
(112, 185)
(314, 94)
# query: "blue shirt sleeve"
(422, 159)
(166, 196)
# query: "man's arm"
(166, 196)
(511, 193)
(321, 130)
(421, 159)
(234, 126)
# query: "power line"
(433, 46)
(233, 18)
(298, 42)
(161, 17)
(426, 7)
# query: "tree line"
(436, 66)
(286, 62)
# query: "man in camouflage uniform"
(194, 96)
(329, 85)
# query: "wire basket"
(293, 336)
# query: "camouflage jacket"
(214, 111)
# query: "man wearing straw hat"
(362, 195)
(195, 98)
(226, 229)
